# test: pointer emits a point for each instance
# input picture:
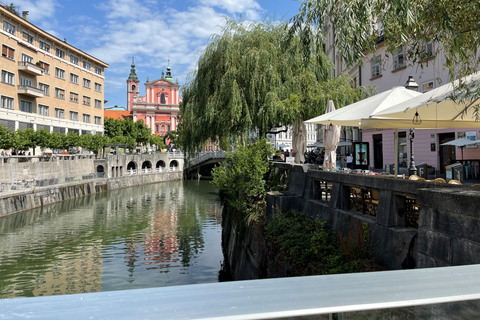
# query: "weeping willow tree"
(452, 25)
(249, 79)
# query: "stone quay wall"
(411, 224)
(34, 182)
(446, 233)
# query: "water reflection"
(155, 235)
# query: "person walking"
(350, 161)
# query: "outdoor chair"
(454, 182)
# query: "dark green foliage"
(241, 178)
(309, 248)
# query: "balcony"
(30, 68)
(30, 91)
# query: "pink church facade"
(159, 107)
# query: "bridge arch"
(173, 164)
(132, 165)
(160, 164)
(146, 165)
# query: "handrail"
(261, 299)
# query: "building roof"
(117, 114)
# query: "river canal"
(164, 234)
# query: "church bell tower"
(132, 86)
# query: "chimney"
(25, 15)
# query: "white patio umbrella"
(352, 114)
(444, 107)
(299, 141)
(461, 142)
(331, 137)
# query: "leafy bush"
(309, 249)
(241, 178)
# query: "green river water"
(156, 235)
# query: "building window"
(26, 58)
(59, 113)
(427, 86)
(398, 61)
(98, 70)
(8, 77)
(98, 120)
(60, 53)
(156, 128)
(60, 73)
(86, 65)
(86, 101)
(7, 103)
(59, 93)
(44, 45)
(73, 59)
(133, 87)
(376, 67)
(86, 83)
(27, 37)
(427, 50)
(26, 82)
(73, 78)
(98, 87)
(86, 118)
(45, 88)
(162, 98)
(402, 149)
(73, 116)
(43, 110)
(26, 106)
(44, 66)
(98, 104)
(10, 28)
(73, 97)
(8, 52)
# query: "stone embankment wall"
(13, 202)
(411, 224)
(40, 171)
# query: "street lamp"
(412, 85)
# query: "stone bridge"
(202, 164)
(132, 164)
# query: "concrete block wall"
(449, 227)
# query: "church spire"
(169, 73)
(133, 74)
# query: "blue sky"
(153, 31)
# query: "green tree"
(56, 141)
(452, 25)
(249, 79)
(5, 142)
(72, 139)
(241, 178)
(43, 138)
(156, 140)
(92, 142)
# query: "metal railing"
(205, 156)
(269, 299)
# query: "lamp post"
(412, 85)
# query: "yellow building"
(47, 83)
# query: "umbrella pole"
(396, 151)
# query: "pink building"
(384, 70)
(159, 107)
